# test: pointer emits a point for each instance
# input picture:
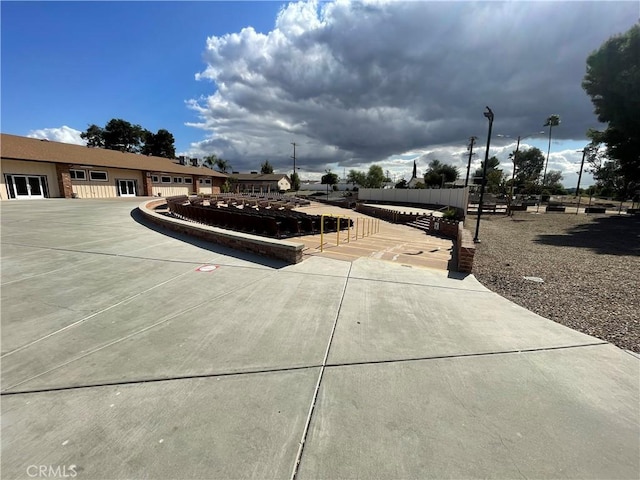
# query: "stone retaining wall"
(272, 248)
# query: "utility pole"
(470, 148)
(294, 156)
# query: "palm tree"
(552, 121)
(213, 161)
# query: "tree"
(495, 176)
(295, 181)
(432, 176)
(496, 181)
(226, 186)
(375, 177)
(94, 135)
(402, 184)
(610, 181)
(492, 164)
(329, 178)
(217, 163)
(612, 79)
(266, 167)
(552, 121)
(553, 182)
(356, 178)
(528, 169)
(119, 134)
(439, 173)
(160, 144)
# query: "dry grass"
(590, 266)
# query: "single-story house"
(34, 168)
(261, 182)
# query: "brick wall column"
(64, 180)
(216, 185)
(196, 184)
(147, 185)
(466, 250)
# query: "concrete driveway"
(123, 358)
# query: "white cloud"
(62, 134)
(362, 82)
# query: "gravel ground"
(590, 266)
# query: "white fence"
(454, 197)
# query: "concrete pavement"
(122, 359)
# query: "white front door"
(127, 188)
(27, 186)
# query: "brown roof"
(14, 147)
(260, 177)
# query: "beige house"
(33, 168)
(261, 182)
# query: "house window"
(78, 174)
(207, 181)
(188, 180)
(98, 176)
(177, 179)
(155, 179)
(166, 179)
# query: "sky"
(351, 83)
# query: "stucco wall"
(283, 184)
(98, 189)
(17, 167)
(94, 189)
(173, 190)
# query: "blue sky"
(352, 83)
(77, 63)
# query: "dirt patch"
(590, 265)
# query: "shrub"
(450, 214)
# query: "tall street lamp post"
(489, 115)
(584, 153)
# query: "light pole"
(584, 153)
(489, 115)
(552, 121)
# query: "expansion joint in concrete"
(305, 432)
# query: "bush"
(450, 214)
